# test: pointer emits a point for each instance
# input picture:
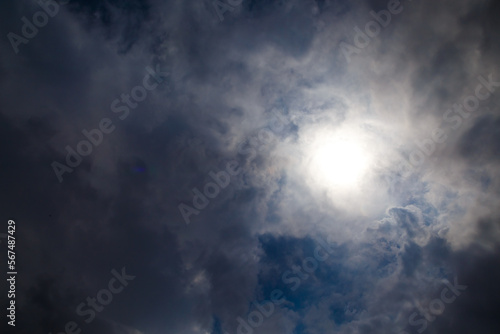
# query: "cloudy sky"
(251, 166)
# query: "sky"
(250, 166)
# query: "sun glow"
(338, 160)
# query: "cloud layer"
(262, 89)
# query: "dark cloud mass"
(250, 166)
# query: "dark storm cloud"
(123, 20)
(225, 81)
(482, 141)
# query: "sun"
(339, 166)
(338, 160)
